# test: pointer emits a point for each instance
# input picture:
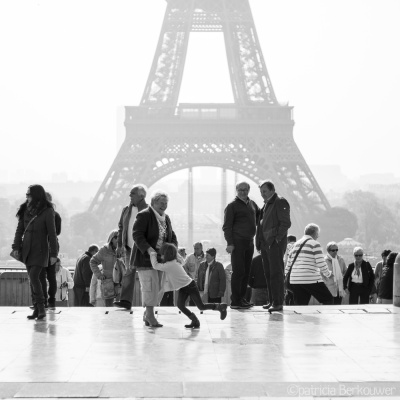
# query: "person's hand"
(119, 252)
(151, 250)
(347, 291)
(230, 248)
(16, 253)
(64, 284)
(102, 277)
(53, 260)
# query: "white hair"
(357, 248)
(311, 229)
(157, 196)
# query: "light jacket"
(107, 257)
(63, 275)
(330, 282)
(192, 263)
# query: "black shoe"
(240, 306)
(35, 313)
(51, 305)
(122, 304)
(222, 309)
(247, 303)
(267, 306)
(41, 311)
(195, 322)
(275, 308)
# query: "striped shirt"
(310, 263)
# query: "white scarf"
(162, 228)
(337, 274)
(206, 282)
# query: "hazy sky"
(66, 66)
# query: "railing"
(209, 112)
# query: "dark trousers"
(128, 280)
(49, 275)
(241, 262)
(303, 292)
(81, 297)
(274, 271)
(34, 282)
(215, 300)
(359, 294)
(192, 291)
(337, 300)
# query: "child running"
(186, 286)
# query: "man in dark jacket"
(125, 243)
(240, 219)
(272, 231)
(82, 277)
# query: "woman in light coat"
(337, 266)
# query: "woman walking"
(175, 278)
(35, 242)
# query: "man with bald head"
(125, 242)
(239, 228)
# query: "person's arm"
(320, 261)
(227, 227)
(95, 261)
(51, 234)
(16, 246)
(139, 231)
(93, 290)
(57, 220)
(155, 263)
(283, 212)
(346, 278)
(222, 280)
(371, 277)
(86, 271)
(120, 228)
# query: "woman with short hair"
(152, 228)
(337, 266)
(35, 242)
(358, 280)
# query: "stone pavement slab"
(314, 351)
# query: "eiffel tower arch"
(252, 136)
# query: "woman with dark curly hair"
(35, 231)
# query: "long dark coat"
(40, 239)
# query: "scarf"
(206, 282)
(162, 228)
(337, 274)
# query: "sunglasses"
(358, 255)
(334, 250)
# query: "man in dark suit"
(125, 243)
(272, 231)
(82, 277)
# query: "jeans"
(303, 292)
(128, 280)
(192, 291)
(241, 258)
(358, 292)
(274, 271)
(34, 282)
(49, 275)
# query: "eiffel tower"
(252, 136)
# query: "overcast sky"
(66, 67)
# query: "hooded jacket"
(106, 256)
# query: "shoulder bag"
(287, 276)
(19, 256)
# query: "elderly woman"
(358, 280)
(385, 290)
(152, 228)
(337, 266)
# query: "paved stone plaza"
(314, 351)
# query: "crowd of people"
(286, 270)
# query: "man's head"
(312, 230)
(198, 249)
(159, 201)
(93, 249)
(137, 193)
(182, 252)
(384, 255)
(291, 239)
(242, 190)
(267, 189)
(211, 254)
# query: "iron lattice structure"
(253, 136)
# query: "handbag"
(287, 276)
(107, 288)
(19, 256)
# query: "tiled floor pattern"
(313, 351)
